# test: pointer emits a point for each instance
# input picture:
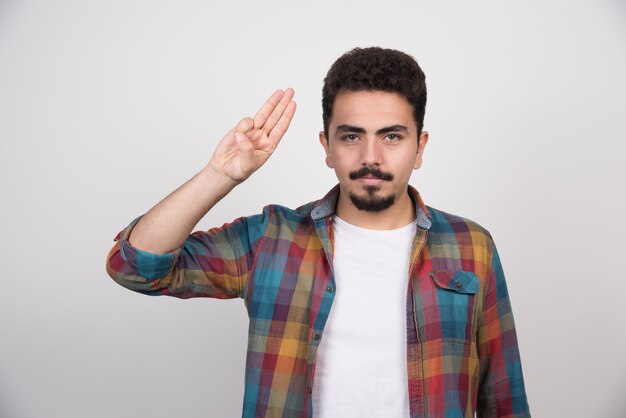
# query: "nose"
(371, 152)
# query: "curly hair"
(376, 68)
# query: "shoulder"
(447, 227)
(282, 215)
(448, 222)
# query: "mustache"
(368, 171)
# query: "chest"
(297, 282)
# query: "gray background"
(106, 107)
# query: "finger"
(243, 141)
(283, 123)
(245, 145)
(244, 125)
(278, 111)
(266, 110)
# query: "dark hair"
(376, 68)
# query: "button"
(316, 337)
(309, 389)
(330, 289)
(458, 284)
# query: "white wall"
(107, 106)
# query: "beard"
(371, 202)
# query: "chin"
(372, 202)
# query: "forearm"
(241, 152)
(167, 225)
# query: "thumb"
(243, 143)
(244, 125)
(246, 154)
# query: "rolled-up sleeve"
(214, 263)
(501, 389)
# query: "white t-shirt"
(361, 360)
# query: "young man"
(365, 303)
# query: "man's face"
(372, 147)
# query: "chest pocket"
(455, 292)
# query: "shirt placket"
(414, 353)
(324, 231)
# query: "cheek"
(342, 171)
(341, 162)
(405, 167)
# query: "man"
(366, 303)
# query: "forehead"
(371, 109)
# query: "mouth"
(370, 180)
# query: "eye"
(393, 137)
(350, 138)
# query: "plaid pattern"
(462, 354)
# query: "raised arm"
(243, 150)
(157, 254)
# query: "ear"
(325, 145)
(420, 150)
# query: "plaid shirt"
(462, 354)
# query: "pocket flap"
(459, 281)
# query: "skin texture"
(375, 130)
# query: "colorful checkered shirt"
(462, 353)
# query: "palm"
(259, 138)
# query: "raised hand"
(249, 144)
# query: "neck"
(401, 213)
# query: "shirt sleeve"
(213, 263)
(501, 390)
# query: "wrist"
(217, 179)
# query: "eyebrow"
(359, 130)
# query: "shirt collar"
(326, 206)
